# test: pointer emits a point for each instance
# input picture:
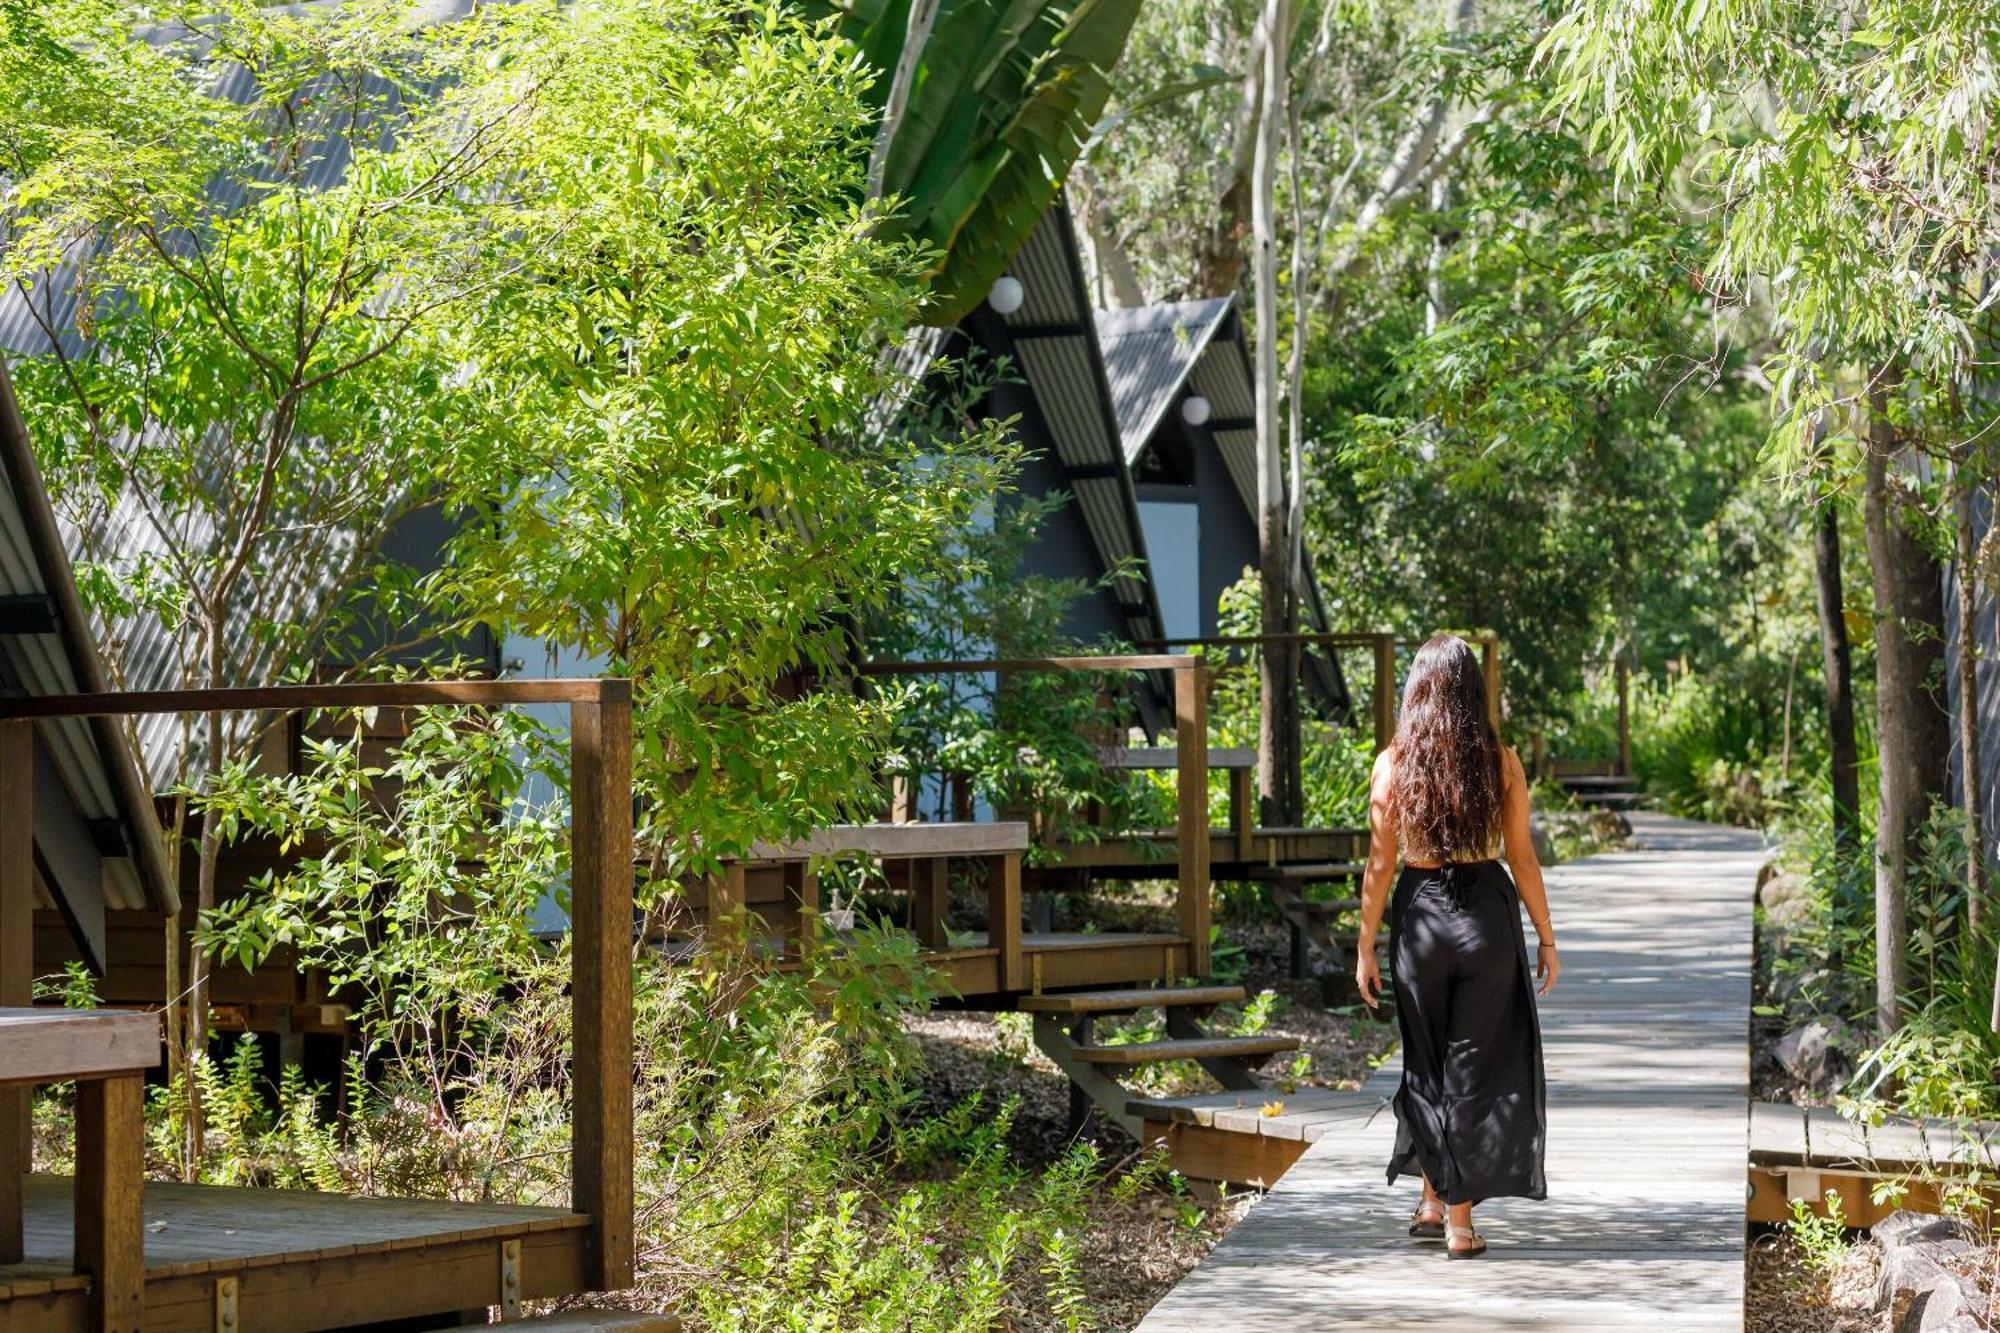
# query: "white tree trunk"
(1116, 278)
(1276, 739)
(923, 14)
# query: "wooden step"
(1057, 941)
(1317, 872)
(1184, 1048)
(1328, 909)
(1136, 997)
(605, 1321)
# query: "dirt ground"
(1784, 1293)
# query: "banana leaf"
(1005, 97)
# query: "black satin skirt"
(1470, 1113)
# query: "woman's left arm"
(1378, 876)
(1526, 867)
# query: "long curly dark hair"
(1447, 782)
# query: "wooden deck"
(297, 1260)
(1063, 959)
(1806, 1155)
(1647, 1048)
(1231, 855)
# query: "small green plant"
(1257, 1013)
(1227, 962)
(1822, 1241)
(1150, 1170)
(1012, 1033)
(74, 986)
(1188, 1210)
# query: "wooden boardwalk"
(1647, 1047)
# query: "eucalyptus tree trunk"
(1277, 722)
(1219, 258)
(196, 1023)
(1912, 725)
(1118, 280)
(1965, 576)
(1837, 661)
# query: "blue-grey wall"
(1228, 537)
(1171, 519)
(1064, 549)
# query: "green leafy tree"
(239, 387)
(674, 459)
(1844, 155)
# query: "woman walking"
(1446, 797)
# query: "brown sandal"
(1425, 1224)
(1472, 1251)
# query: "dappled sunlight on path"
(1647, 1047)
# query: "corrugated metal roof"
(1152, 352)
(146, 654)
(1149, 352)
(1055, 339)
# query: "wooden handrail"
(1111, 662)
(601, 914)
(350, 694)
(1190, 702)
(1348, 640)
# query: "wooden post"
(1191, 834)
(903, 788)
(1385, 691)
(724, 918)
(1003, 918)
(1489, 667)
(1243, 811)
(601, 980)
(1624, 717)
(930, 896)
(17, 960)
(110, 1183)
(803, 882)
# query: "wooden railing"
(1190, 701)
(1382, 648)
(600, 895)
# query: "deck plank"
(1647, 1044)
(192, 1228)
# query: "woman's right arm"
(1377, 877)
(1517, 836)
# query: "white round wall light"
(1006, 294)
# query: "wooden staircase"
(1314, 922)
(1604, 791)
(1064, 1023)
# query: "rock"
(1813, 1054)
(1609, 826)
(1922, 1287)
(1787, 899)
(1545, 844)
(1904, 1227)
